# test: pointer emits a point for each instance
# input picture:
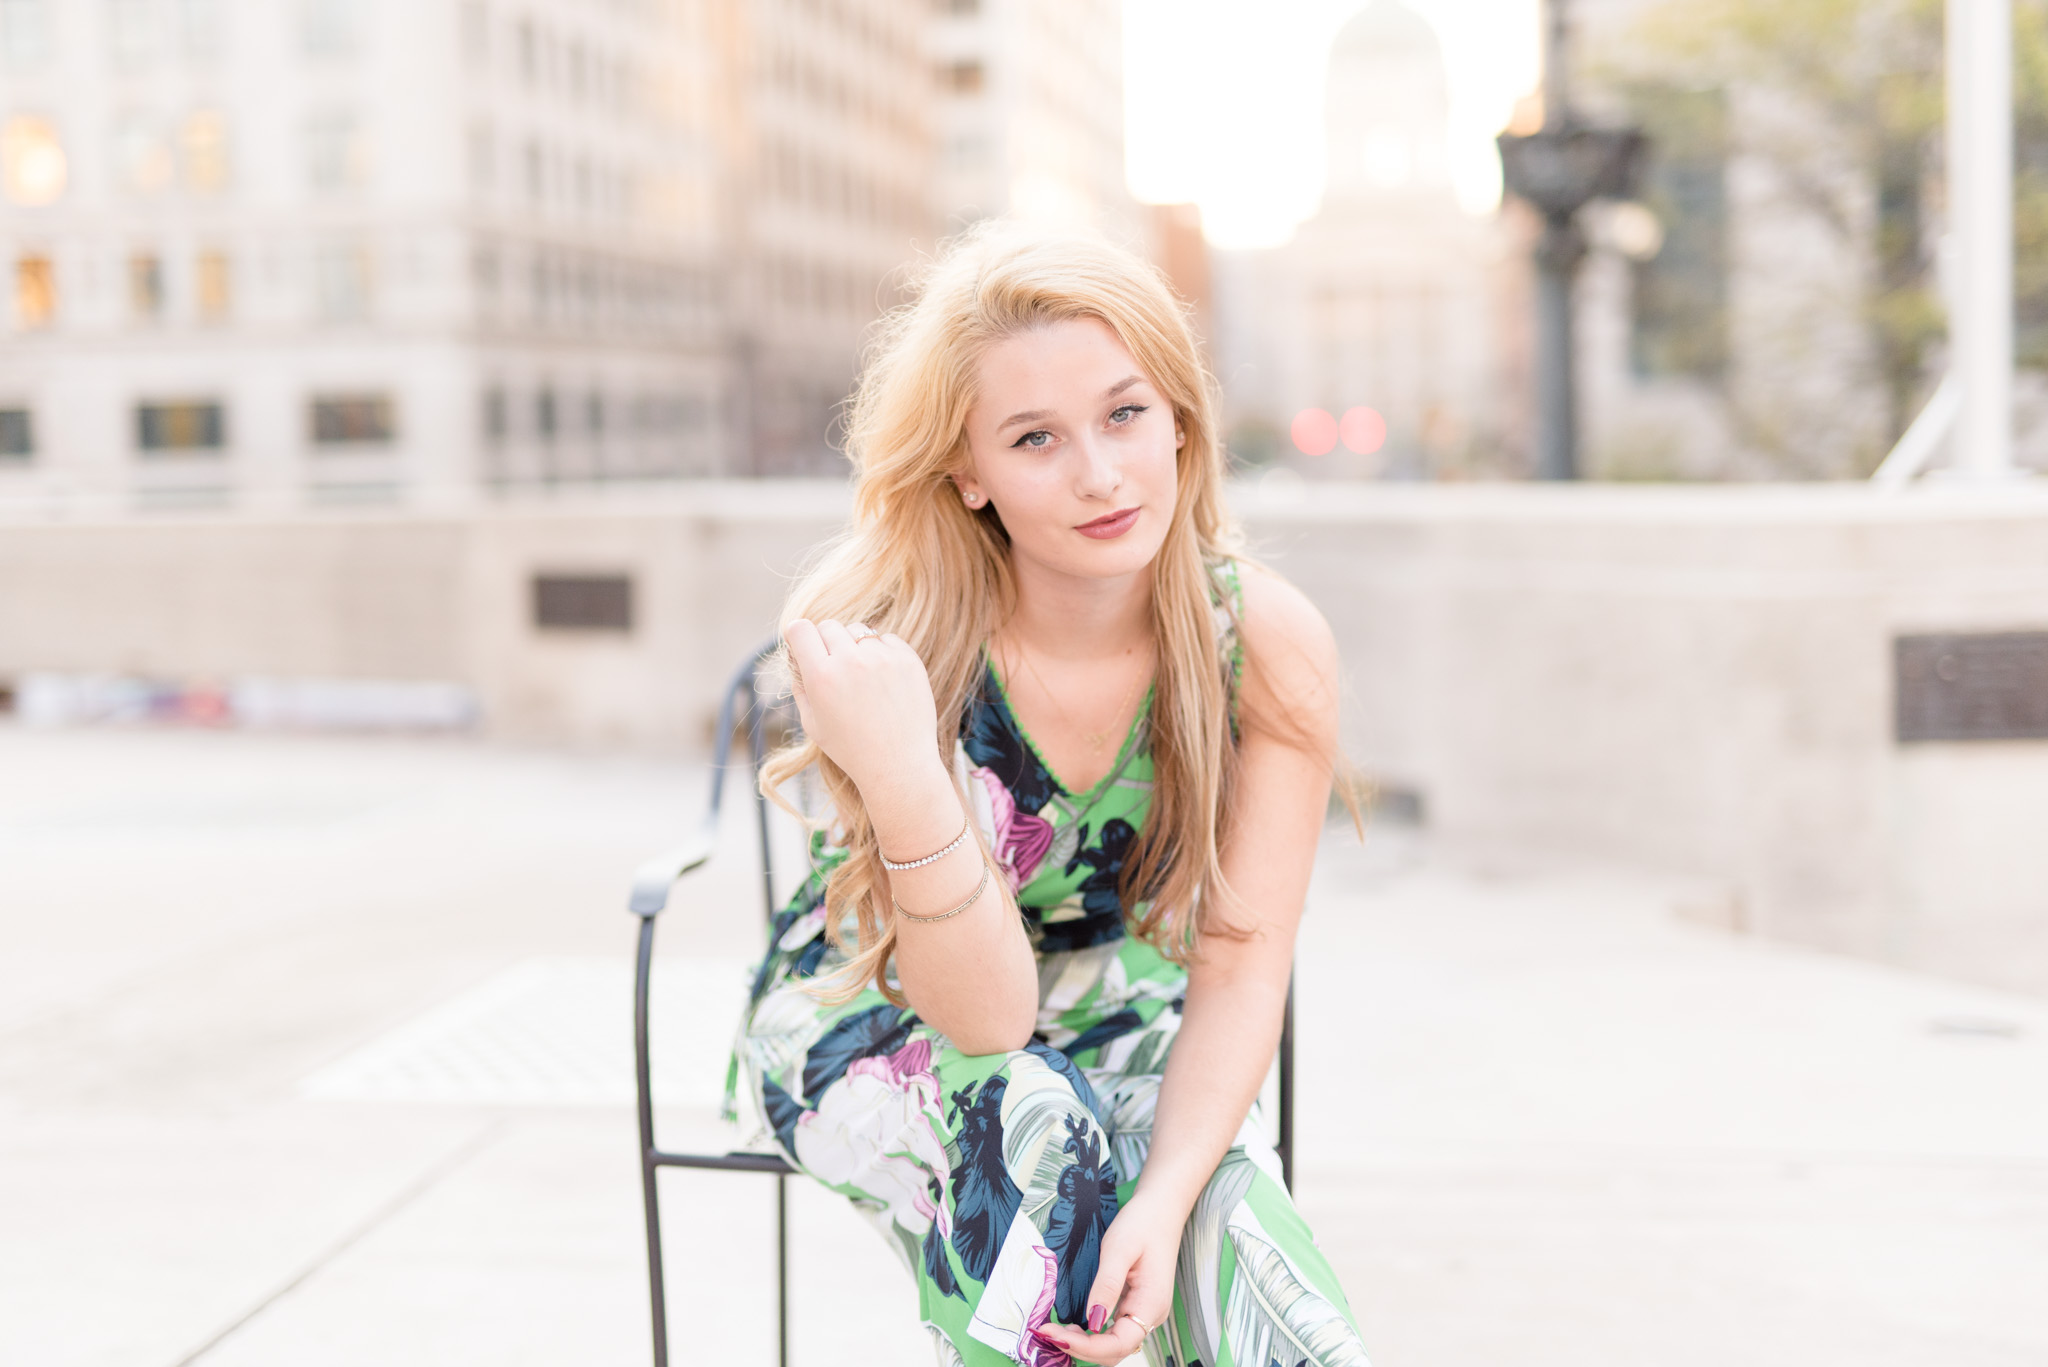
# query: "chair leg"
(657, 1293)
(782, 1269)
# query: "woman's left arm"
(1237, 986)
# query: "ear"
(971, 492)
(1180, 437)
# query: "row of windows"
(572, 67)
(561, 285)
(830, 186)
(549, 415)
(877, 105)
(553, 177)
(342, 286)
(142, 33)
(199, 426)
(155, 153)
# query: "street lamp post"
(1559, 169)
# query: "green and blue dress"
(995, 1176)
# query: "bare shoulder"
(1290, 657)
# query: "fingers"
(806, 647)
(1123, 1339)
(1111, 1275)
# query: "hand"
(1135, 1276)
(867, 703)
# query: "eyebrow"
(1036, 414)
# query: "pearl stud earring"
(973, 500)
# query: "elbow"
(994, 1031)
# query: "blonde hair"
(916, 561)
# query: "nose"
(1099, 475)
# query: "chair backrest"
(744, 691)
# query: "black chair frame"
(651, 886)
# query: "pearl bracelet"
(975, 896)
(958, 841)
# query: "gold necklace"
(1096, 739)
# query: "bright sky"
(1223, 102)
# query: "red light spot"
(1314, 432)
(1364, 431)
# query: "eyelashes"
(1118, 417)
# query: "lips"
(1110, 524)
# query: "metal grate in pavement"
(553, 1032)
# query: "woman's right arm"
(868, 705)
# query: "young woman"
(1077, 758)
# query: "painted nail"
(1048, 1340)
(1097, 1317)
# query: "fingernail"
(1048, 1340)
(1097, 1317)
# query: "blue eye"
(1032, 440)
(1127, 413)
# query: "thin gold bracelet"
(973, 897)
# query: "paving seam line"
(420, 1186)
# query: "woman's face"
(1074, 448)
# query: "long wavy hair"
(916, 561)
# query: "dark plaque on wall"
(583, 602)
(1975, 686)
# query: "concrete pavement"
(303, 1059)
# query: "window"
(214, 286)
(529, 58)
(1678, 323)
(17, 434)
(544, 414)
(337, 152)
(535, 173)
(32, 161)
(341, 280)
(483, 157)
(206, 151)
(24, 33)
(146, 286)
(331, 28)
(184, 426)
(35, 292)
(205, 34)
(142, 153)
(476, 32)
(496, 415)
(132, 29)
(964, 6)
(352, 420)
(965, 78)
(593, 414)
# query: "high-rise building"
(1030, 113)
(274, 253)
(831, 123)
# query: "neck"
(1066, 617)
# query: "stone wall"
(1697, 680)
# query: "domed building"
(1384, 299)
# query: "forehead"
(1072, 360)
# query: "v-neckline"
(1116, 768)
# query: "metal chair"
(651, 885)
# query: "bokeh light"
(1364, 431)
(1314, 432)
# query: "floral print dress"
(994, 1177)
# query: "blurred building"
(831, 139)
(266, 254)
(1380, 310)
(1031, 113)
(263, 254)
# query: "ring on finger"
(860, 631)
(1143, 1327)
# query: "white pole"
(1979, 62)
